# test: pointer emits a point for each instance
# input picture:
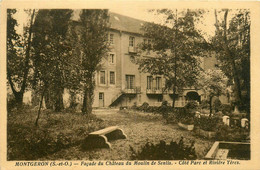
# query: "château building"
(121, 84)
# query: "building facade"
(120, 84)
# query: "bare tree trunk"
(175, 64)
(39, 110)
(210, 105)
(59, 100)
(230, 55)
(87, 101)
(19, 94)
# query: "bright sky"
(141, 13)
(207, 25)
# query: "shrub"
(236, 134)
(217, 105)
(187, 120)
(163, 151)
(191, 105)
(204, 104)
(226, 109)
(144, 107)
(207, 123)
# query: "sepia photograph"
(170, 84)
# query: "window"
(102, 77)
(131, 41)
(111, 38)
(158, 83)
(130, 81)
(112, 58)
(101, 95)
(112, 77)
(149, 82)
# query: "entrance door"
(101, 99)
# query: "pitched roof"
(119, 22)
(124, 23)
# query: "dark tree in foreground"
(51, 54)
(232, 45)
(177, 44)
(89, 36)
(18, 55)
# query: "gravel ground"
(139, 128)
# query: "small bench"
(101, 138)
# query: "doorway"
(101, 99)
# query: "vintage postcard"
(129, 85)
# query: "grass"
(56, 131)
(59, 135)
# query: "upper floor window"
(102, 77)
(131, 41)
(111, 58)
(111, 38)
(149, 82)
(112, 77)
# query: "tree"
(51, 54)
(214, 83)
(177, 44)
(232, 45)
(50, 41)
(90, 39)
(18, 55)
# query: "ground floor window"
(158, 83)
(149, 82)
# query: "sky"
(207, 25)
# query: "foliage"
(226, 109)
(236, 134)
(213, 82)
(191, 105)
(89, 37)
(51, 54)
(163, 151)
(143, 107)
(187, 120)
(204, 104)
(207, 123)
(232, 45)
(175, 45)
(217, 105)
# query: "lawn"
(62, 133)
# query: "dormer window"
(111, 58)
(111, 38)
